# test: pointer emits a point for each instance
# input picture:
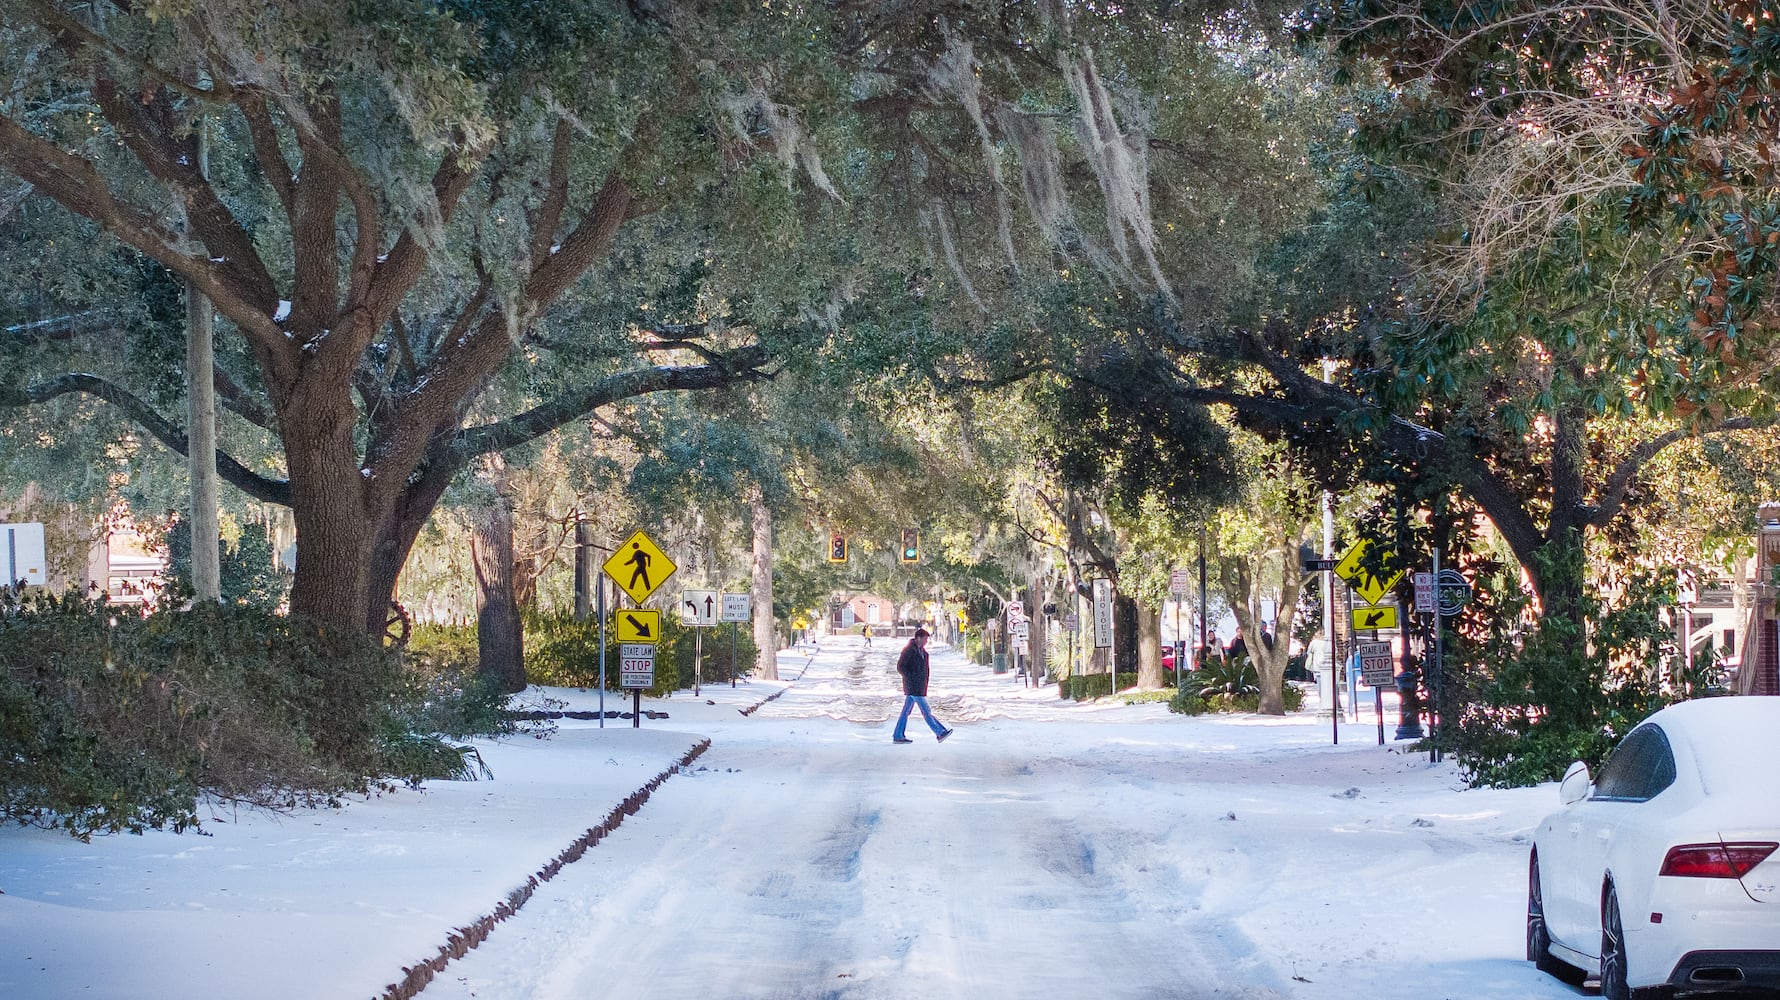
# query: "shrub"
(564, 652)
(1231, 677)
(1527, 704)
(110, 721)
(1085, 686)
(1186, 702)
(441, 694)
(1196, 701)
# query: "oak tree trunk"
(500, 642)
(1149, 648)
(760, 570)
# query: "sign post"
(698, 608)
(639, 568)
(737, 608)
(1180, 584)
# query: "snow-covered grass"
(1050, 848)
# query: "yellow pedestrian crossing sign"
(1370, 589)
(1367, 617)
(639, 567)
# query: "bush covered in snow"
(113, 721)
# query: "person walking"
(912, 665)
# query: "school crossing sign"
(639, 567)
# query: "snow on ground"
(1050, 848)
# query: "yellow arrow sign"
(639, 567)
(1382, 616)
(637, 625)
(1371, 589)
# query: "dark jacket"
(912, 665)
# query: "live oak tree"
(404, 198)
(410, 193)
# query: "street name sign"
(637, 625)
(636, 665)
(639, 567)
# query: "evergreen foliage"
(1535, 694)
(112, 721)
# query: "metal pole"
(732, 626)
(1202, 608)
(12, 558)
(1329, 621)
(1180, 642)
(1437, 679)
(698, 659)
(601, 581)
(1378, 710)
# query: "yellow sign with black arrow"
(1369, 617)
(1370, 588)
(637, 625)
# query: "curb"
(459, 942)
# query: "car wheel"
(1613, 968)
(1539, 936)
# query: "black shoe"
(901, 740)
(942, 736)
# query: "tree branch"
(1612, 496)
(741, 365)
(244, 479)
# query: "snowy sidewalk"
(332, 903)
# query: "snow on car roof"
(1727, 735)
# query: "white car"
(1661, 874)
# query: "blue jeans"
(908, 705)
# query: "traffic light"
(911, 545)
(837, 548)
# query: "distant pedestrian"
(912, 665)
(867, 634)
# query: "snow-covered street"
(1048, 849)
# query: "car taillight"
(1715, 860)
